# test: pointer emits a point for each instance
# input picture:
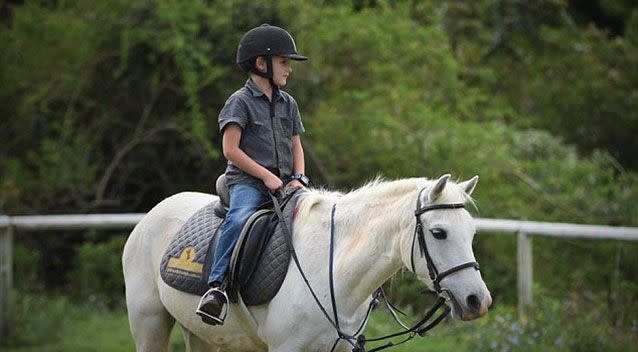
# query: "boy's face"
(281, 66)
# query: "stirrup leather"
(211, 319)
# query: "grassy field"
(55, 325)
(109, 332)
(52, 325)
(99, 331)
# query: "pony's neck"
(369, 226)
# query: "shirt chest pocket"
(287, 125)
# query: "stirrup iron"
(211, 319)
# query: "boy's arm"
(298, 163)
(232, 152)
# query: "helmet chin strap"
(269, 72)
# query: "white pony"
(374, 229)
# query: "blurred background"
(110, 106)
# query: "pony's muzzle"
(476, 306)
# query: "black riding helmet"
(267, 41)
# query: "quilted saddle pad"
(187, 261)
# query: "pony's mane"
(379, 190)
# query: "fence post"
(6, 277)
(525, 280)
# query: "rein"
(357, 340)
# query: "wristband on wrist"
(303, 179)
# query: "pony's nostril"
(473, 302)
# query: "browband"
(438, 206)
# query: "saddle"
(259, 261)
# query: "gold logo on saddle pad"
(185, 264)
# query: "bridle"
(433, 272)
(358, 340)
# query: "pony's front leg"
(292, 347)
(300, 342)
(312, 347)
(195, 344)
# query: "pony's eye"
(439, 234)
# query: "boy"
(260, 127)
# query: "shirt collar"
(256, 92)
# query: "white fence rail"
(523, 229)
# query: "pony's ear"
(469, 185)
(437, 189)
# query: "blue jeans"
(244, 201)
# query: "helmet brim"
(296, 57)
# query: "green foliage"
(555, 76)
(179, 35)
(554, 326)
(373, 61)
(26, 262)
(50, 323)
(583, 114)
(37, 318)
(96, 277)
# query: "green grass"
(441, 338)
(54, 324)
(108, 331)
(96, 331)
(102, 331)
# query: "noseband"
(434, 273)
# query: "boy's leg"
(244, 201)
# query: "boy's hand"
(294, 184)
(273, 182)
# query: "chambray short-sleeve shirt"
(268, 141)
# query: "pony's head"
(439, 251)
